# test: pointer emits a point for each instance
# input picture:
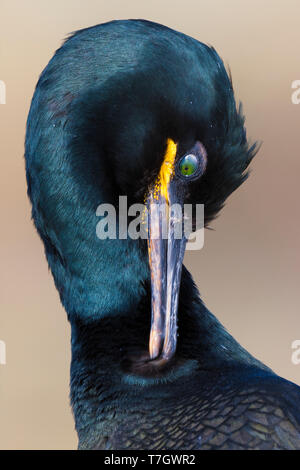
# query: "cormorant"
(137, 109)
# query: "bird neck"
(104, 380)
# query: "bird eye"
(188, 165)
(193, 164)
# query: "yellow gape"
(166, 171)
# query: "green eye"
(188, 165)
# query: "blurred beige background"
(248, 271)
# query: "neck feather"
(101, 379)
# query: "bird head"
(130, 108)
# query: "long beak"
(166, 246)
